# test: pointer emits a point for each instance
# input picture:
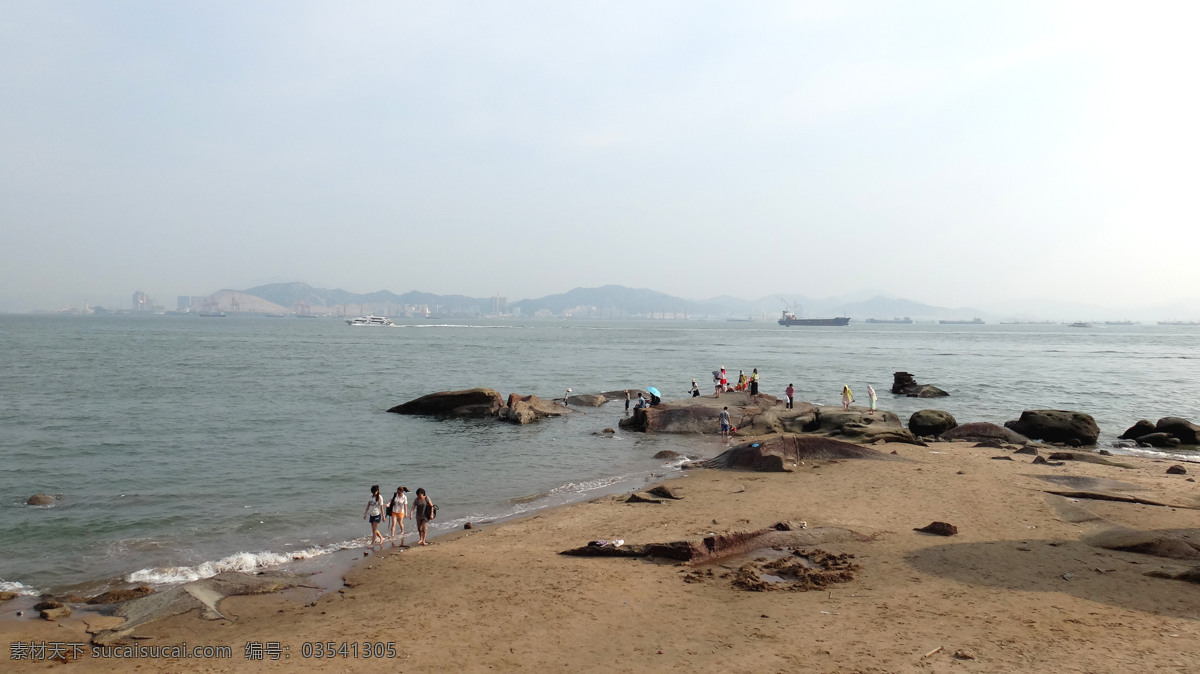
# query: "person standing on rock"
(741, 385)
(724, 380)
(565, 396)
(374, 513)
(695, 389)
(871, 395)
(847, 398)
(626, 401)
(754, 383)
(724, 417)
(790, 392)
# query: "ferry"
(380, 321)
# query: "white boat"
(381, 321)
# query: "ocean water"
(183, 446)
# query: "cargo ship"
(789, 319)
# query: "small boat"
(1079, 324)
(380, 321)
(211, 314)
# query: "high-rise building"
(142, 303)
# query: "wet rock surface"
(980, 431)
(1056, 426)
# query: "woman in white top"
(374, 513)
(399, 508)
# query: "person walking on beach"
(871, 395)
(398, 508)
(695, 389)
(847, 398)
(374, 513)
(724, 417)
(754, 383)
(790, 392)
(423, 511)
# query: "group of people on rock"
(397, 510)
(721, 383)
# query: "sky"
(953, 153)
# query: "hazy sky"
(949, 152)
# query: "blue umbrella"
(653, 391)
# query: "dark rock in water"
(1026, 450)
(667, 454)
(1177, 470)
(39, 500)
(476, 402)
(664, 492)
(589, 399)
(1156, 440)
(939, 529)
(468, 525)
(980, 431)
(780, 454)
(116, 596)
(1056, 426)
(931, 422)
(905, 384)
(1187, 432)
(1002, 458)
(636, 498)
(608, 431)
(1142, 427)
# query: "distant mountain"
(289, 294)
(619, 301)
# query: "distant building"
(142, 303)
(499, 305)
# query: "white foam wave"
(244, 562)
(19, 588)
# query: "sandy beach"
(1017, 589)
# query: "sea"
(184, 446)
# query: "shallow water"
(185, 445)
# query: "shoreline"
(1018, 588)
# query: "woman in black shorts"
(374, 513)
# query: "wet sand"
(1019, 588)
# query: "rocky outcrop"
(528, 409)
(117, 596)
(978, 431)
(1074, 428)
(1187, 432)
(1142, 427)
(588, 399)
(859, 425)
(930, 422)
(905, 384)
(1158, 440)
(468, 403)
(782, 454)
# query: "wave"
(19, 588)
(245, 562)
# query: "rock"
(1156, 440)
(608, 431)
(667, 454)
(1002, 458)
(1187, 432)
(905, 384)
(1086, 457)
(664, 492)
(1027, 450)
(39, 500)
(46, 603)
(1056, 426)
(979, 431)
(117, 596)
(637, 498)
(859, 425)
(1142, 427)
(939, 529)
(963, 654)
(468, 525)
(528, 409)
(990, 444)
(1040, 460)
(1104, 452)
(781, 454)
(5, 596)
(1177, 470)
(589, 399)
(931, 422)
(476, 402)
(56, 613)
